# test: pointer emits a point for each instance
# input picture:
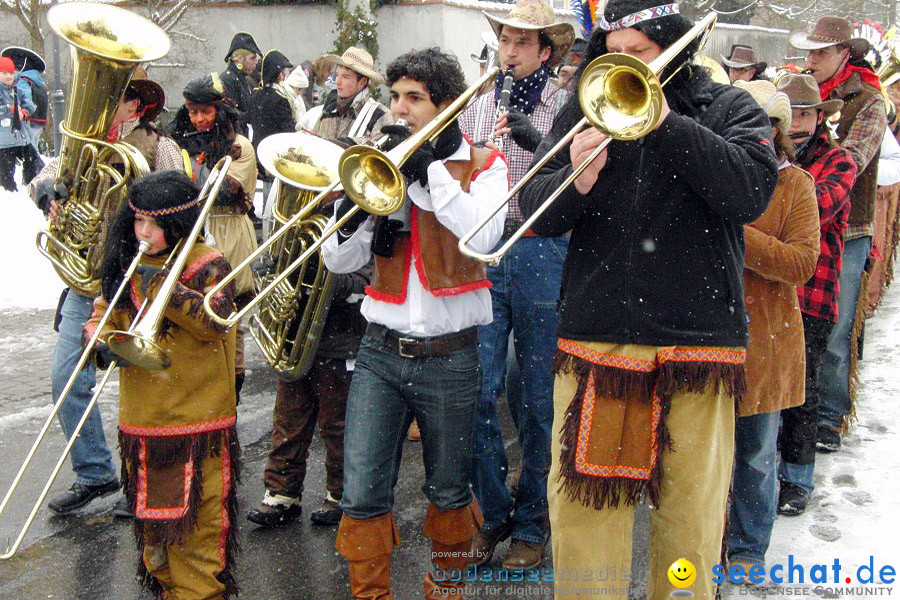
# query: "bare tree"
(29, 14)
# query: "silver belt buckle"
(400, 347)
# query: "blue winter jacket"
(8, 136)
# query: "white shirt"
(422, 314)
(889, 163)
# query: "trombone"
(370, 178)
(621, 96)
(139, 345)
(82, 361)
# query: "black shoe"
(269, 515)
(792, 500)
(827, 439)
(329, 514)
(122, 510)
(80, 495)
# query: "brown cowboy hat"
(357, 59)
(743, 57)
(803, 92)
(537, 15)
(830, 31)
(153, 98)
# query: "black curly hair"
(155, 191)
(439, 71)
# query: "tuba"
(290, 320)
(107, 44)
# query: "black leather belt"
(409, 347)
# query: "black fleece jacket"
(657, 248)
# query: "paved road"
(93, 555)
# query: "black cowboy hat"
(24, 59)
(242, 41)
(153, 98)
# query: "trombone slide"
(82, 361)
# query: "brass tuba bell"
(290, 320)
(107, 44)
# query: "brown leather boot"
(367, 545)
(451, 534)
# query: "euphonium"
(290, 320)
(107, 44)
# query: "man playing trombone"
(524, 292)
(653, 328)
(418, 357)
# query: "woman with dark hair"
(782, 247)
(177, 438)
(206, 127)
(653, 328)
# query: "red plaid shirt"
(834, 171)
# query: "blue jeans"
(386, 392)
(834, 376)
(525, 294)
(90, 456)
(755, 489)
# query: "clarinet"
(503, 102)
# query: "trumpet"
(82, 361)
(139, 344)
(621, 96)
(370, 178)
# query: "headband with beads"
(163, 211)
(647, 14)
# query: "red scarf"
(866, 75)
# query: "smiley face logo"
(682, 573)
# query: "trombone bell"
(372, 180)
(621, 96)
(139, 351)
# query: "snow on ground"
(29, 280)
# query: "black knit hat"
(242, 41)
(162, 191)
(663, 30)
(273, 63)
(206, 89)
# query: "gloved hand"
(522, 131)
(48, 190)
(416, 167)
(105, 356)
(397, 134)
(448, 141)
(263, 267)
(146, 274)
(342, 207)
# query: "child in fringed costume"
(179, 447)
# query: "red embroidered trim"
(191, 269)
(584, 437)
(387, 296)
(159, 514)
(226, 489)
(606, 360)
(190, 429)
(664, 355)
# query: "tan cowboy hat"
(830, 31)
(803, 92)
(776, 103)
(537, 15)
(743, 57)
(357, 59)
